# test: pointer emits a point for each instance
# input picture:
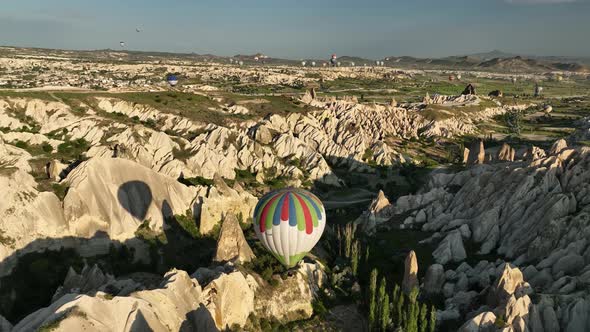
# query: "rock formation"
(450, 249)
(220, 201)
(179, 303)
(477, 153)
(469, 90)
(55, 169)
(410, 273)
(291, 299)
(90, 279)
(229, 299)
(482, 322)
(116, 195)
(557, 147)
(172, 307)
(434, 279)
(534, 153)
(533, 213)
(380, 208)
(506, 153)
(496, 93)
(232, 245)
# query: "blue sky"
(303, 28)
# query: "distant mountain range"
(487, 61)
(497, 61)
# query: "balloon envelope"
(289, 222)
(172, 80)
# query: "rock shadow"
(199, 320)
(30, 276)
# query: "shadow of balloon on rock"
(135, 197)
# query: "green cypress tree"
(380, 299)
(412, 311)
(339, 237)
(423, 321)
(432, 319)
(372, 299)
(354, 260)
(399, 309)
(412, 323)
(349, 232)
(394, 299)
(385, 313)
(413, 294)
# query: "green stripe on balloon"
(271, 212)
(296, 258)
(299, 212)
(293, 259)
(263, 204)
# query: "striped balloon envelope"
(289, 222)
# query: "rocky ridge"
(533, 213)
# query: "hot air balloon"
(172, 80)
(538, 90)
(138, 30)
(352, 64)
(122, 43)
(313, 63)
(333, 60)
(303, 63)
(241, 63)
(289, 222)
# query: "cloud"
(537, 2)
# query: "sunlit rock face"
(232, 245)
(174, 306)
(178, 303)
(116, 195)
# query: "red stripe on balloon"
(285, 208)
(265, 213)
(306, 214)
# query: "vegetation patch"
(73, 149)
(196, 181)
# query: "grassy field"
(200, 108)
(414, 89)
(440, 112)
